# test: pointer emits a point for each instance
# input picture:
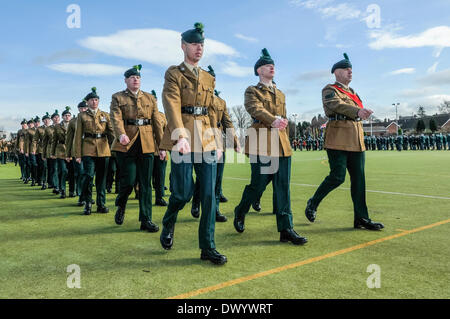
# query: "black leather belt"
(340, 117)
(138, 122)
(194, 110)
(97, 135)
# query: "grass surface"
(41, 235)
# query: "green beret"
(46, 116)
(92, 94)
(211, 71)
(82, 104)
(24, 121)
(154, 94)
(263, 60)
(135, 70)
(55, 114)
(216, 92)
(343, 64)
(30, 121)
(66, 111)
(37, 119)
(194, 35)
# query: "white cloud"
(437, 78)
(438, 37)
(310, 4)
(320, 75)
(403, 71)
(88, 69)
(246, 38)
(233, 69)
(342, 12)
(156, 46)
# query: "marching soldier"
(159, 166)
(70, 152)
(344, 144)
(41, 149)
(187, 98)
(29, 133)
(36, 150)
(270, 161)
(47, 149)
(19, 146)
(91, 148)
(32, 152)
(220, 120)
(137, 123)
(59, 152)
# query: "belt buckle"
(140, 122)
(197, 111)
(98, 135)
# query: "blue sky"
(45, 65)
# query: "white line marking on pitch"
(367, 190)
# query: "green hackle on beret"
(46, 116)
(211, 71)
(263, 60)
(343, 64)
(37, 119)
(66, 111)
(92, 94)
(82, 104)
(135, 70)
(55, 114)
(194, 35)
(216, 93)
(24, 121)
(154, 94)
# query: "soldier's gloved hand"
(219, 154)
(364, 113)
(124, 140)
(162, 155)
(183, 146)
(280, 123)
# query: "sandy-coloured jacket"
(183, 88)
(345, 135)
(47, 143)
(20, 140)
(38, 140)
(126, 106)
(265, 105)
(29, 134)
(59, 142)
(98, 123)
(70, 137)
(163, 125)
(220, 120)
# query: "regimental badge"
(103, 119)
(331, 95)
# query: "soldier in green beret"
(59, 152)
(137, 125)
(93, 135)
(52, 164)
(19, 146)
(267, 145)
(344, 145)
(187, 98)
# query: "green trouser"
(52, 168)
(218, 188)
(94, 166)
(340, 161)
(22, 165)
(260, 177)
(159, 176)
(27, 167)
(78, 174)
(182, 186)
(135, 166)
(42, 169)
(62, 174)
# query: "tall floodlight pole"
(396, 115)
(295, 122)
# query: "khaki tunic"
(345, 135)
(220, 119)
(264, 104)
(38, 141)
(20, 140)
(58, 142)
(29, 134)
(70, 137)
(126, 106)
(183, 88)
(47, 142)
(91, 123)
(163, 125)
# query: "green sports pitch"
(409, 192)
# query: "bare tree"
(241, 120)
(444, 107)
(421, 111)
